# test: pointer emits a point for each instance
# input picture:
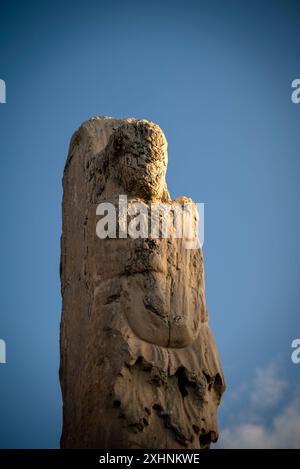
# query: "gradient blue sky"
(216, 76)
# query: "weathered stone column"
(139, 365)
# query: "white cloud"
(267, 387)
(284, 432)
(253, 427)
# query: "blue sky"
(216, 76)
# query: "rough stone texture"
(139, 365)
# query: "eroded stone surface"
(139, 366)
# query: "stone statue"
(139, 365)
